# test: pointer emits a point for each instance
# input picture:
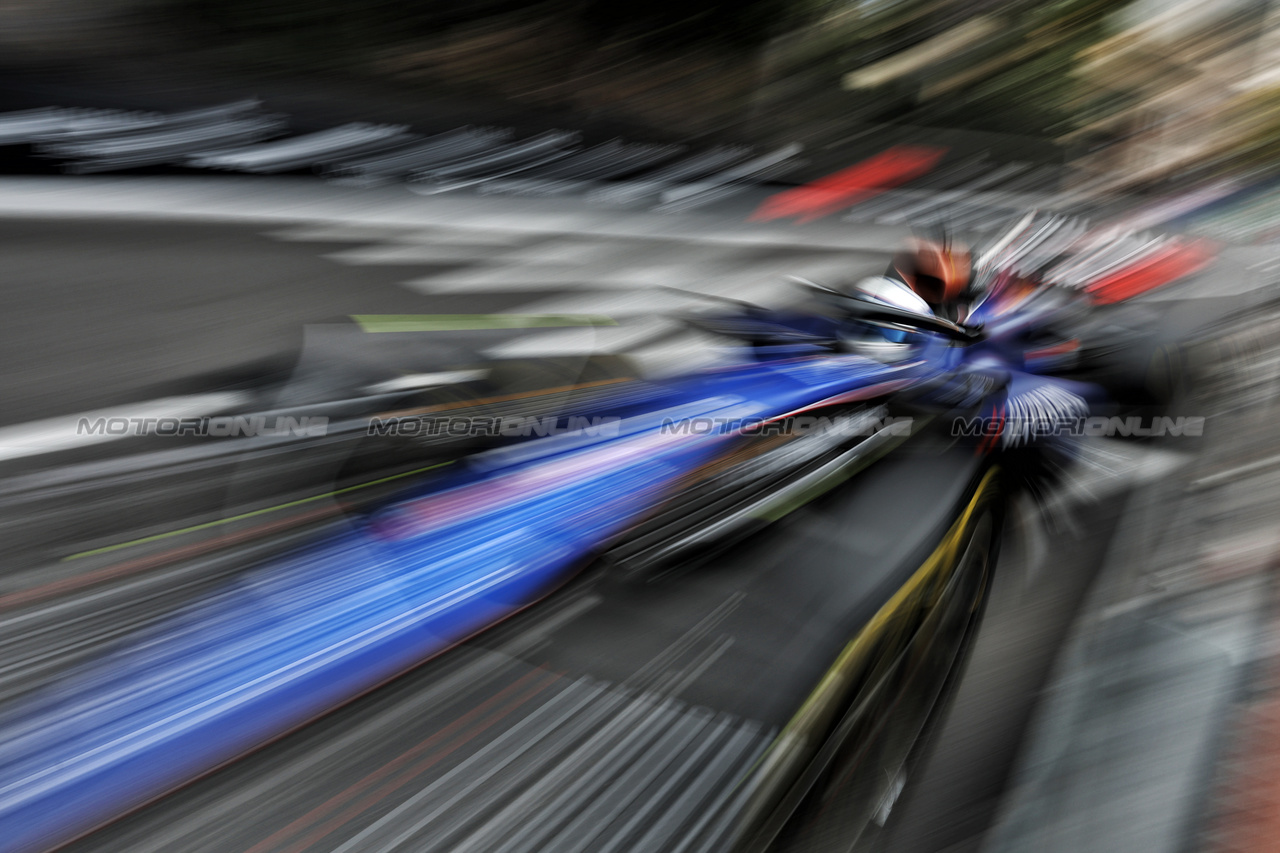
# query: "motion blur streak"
(1169, 264)
(681, 427)
(326, 624)
(850, 186)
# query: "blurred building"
(38, 29)
(1184, 90)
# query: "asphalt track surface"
(105, 313)
(109, 313)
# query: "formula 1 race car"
(830, 501)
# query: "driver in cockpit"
(927, 278)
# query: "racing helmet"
(937, 270)
(883, 290)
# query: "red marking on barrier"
(1247, 795)
(1057, 349)
(988, 442)
(1175, 261)
(847, 187)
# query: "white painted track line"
(615, 303)
(583, 340)
(282, 201)
(498, 279)
(404, 254)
